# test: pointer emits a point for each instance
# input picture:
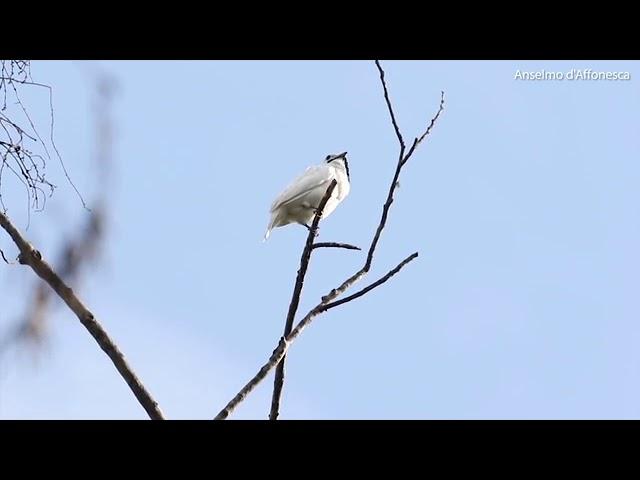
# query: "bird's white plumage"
(313, 178)
(297, 202)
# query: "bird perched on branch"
(299, 201)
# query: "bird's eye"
(328, 157)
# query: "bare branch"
(295, 299)
(328, 306)
(388, 101)
(285, 342)
(434, 119)
(32, 257)
(335, 245)
(348, 283)
(76, 252)
(417, 141)
(5, 258)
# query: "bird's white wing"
(313, 177)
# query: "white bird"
(299, 201)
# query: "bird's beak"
(342, 155)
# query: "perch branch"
(32, 257)
(335, 245)
(295, 299)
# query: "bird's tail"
(270, 227)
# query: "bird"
(298, 202)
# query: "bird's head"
(339, 158)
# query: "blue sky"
(523, 203)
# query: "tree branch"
(328, 306)
(335, 245)
(285, 342)
(417, 141)
(388, 102)
(4, 258)
(295, 299)
(32, 257)
(433, 120)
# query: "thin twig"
(328, 306)
(14, 149)
(434, 119)
(388, 101)
(5, 258)
(335, 245)
(33, 258)
(285, 342)
(416, 141)
(295, 298)
(51, 136)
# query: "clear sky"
(524, 204)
